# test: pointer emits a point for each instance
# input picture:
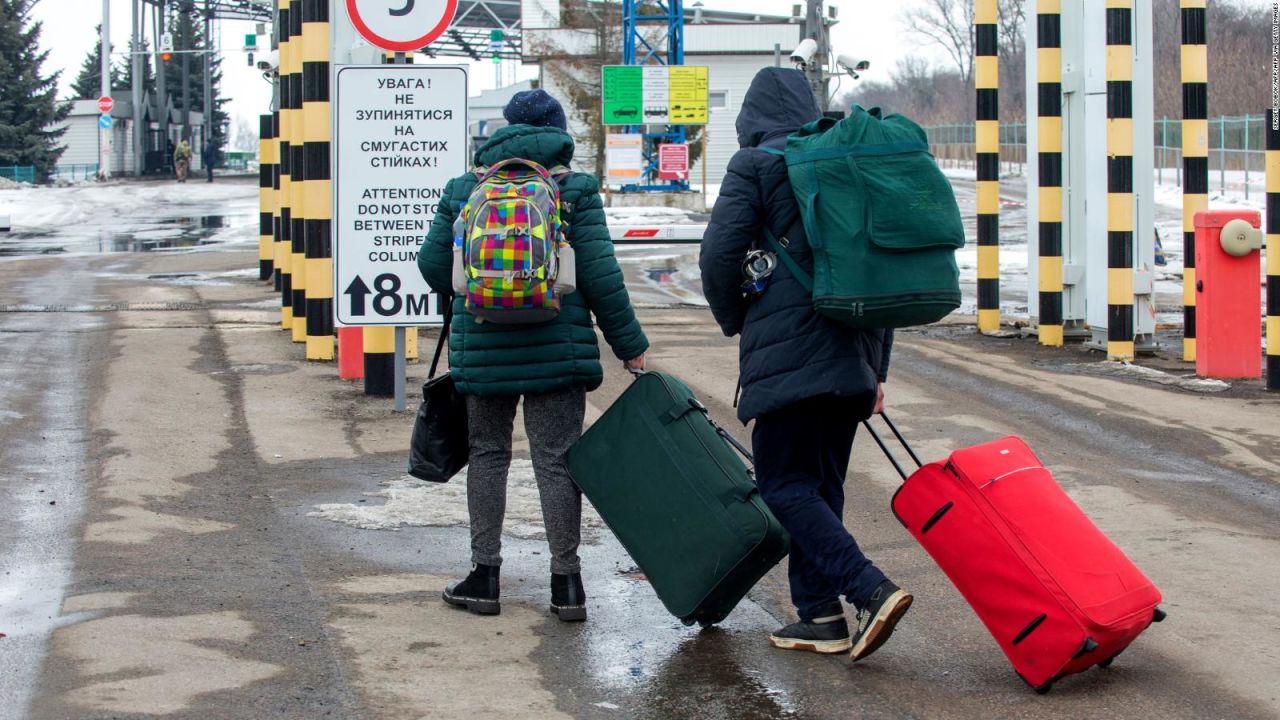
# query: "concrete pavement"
(233, 535)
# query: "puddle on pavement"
(154, 235)
(169, 234)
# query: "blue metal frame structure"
(669, 50)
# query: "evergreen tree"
(29, 104)
(88, 84)
(148, 74)
(187, 28)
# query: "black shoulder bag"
(440, 445)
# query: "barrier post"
(266, 199)
(1272, 229)
(987, 148)
(1195, 156)
(1049, 159)
(284, 126)
(297, 233)
(318, 222)
(1120, 210)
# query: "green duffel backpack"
(880, 217)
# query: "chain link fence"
(1237, 150)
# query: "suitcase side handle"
(885, 448)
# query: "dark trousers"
(801, 457)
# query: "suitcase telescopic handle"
(885, 448)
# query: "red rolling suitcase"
(1058, 596)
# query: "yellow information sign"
(688, 95)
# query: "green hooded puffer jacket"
(499, 359)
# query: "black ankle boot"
(568, 600)
(477, 593)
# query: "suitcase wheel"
(1040, 689)
(1159, 615)
(688, 621)
(1107, 663)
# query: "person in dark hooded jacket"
(552, 364)
(806, 380)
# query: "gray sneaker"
(826, 634)
(876, 621)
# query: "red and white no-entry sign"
(105, 103)
(401, 25)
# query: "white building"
(733, 46)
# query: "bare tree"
(1011, 30)
(947, 24)
(574, 67)
(246, 135)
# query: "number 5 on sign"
(401, 25)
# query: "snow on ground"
(123, 216)
(408, 502)
(35, 208)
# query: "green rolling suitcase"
(670, 485)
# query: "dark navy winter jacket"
(788, 352)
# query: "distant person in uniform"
(807, 380)
(182, 160)
(551, 365)
(209, 156)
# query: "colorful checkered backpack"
(511, 259)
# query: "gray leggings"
(553, 422)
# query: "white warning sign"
(400, 134)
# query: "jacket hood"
(547, 146)
(778, 102)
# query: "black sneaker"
(884, 609)
(477, 593)
(827, 633)
(568, 600)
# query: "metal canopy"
(258, 10)
(467, 37)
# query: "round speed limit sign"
(401, 25)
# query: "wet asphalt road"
(184, 572)
(222, 597)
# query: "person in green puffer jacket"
(552, 365)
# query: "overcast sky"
(866, 28)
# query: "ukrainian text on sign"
(400, 136)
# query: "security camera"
(852, 65)
(804, 52)
(269, 62)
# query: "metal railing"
(1236, 145)
(75, 171)
(953, 146)
(19, 173)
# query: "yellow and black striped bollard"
(297, 161)
(1049, 134)
(1273, 250)
(266, 199)
(284, 118)
(318, 223)
(1195, 157)
(1120, 250)
(987, 140)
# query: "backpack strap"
(780, 247)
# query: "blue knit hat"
(536, 108)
